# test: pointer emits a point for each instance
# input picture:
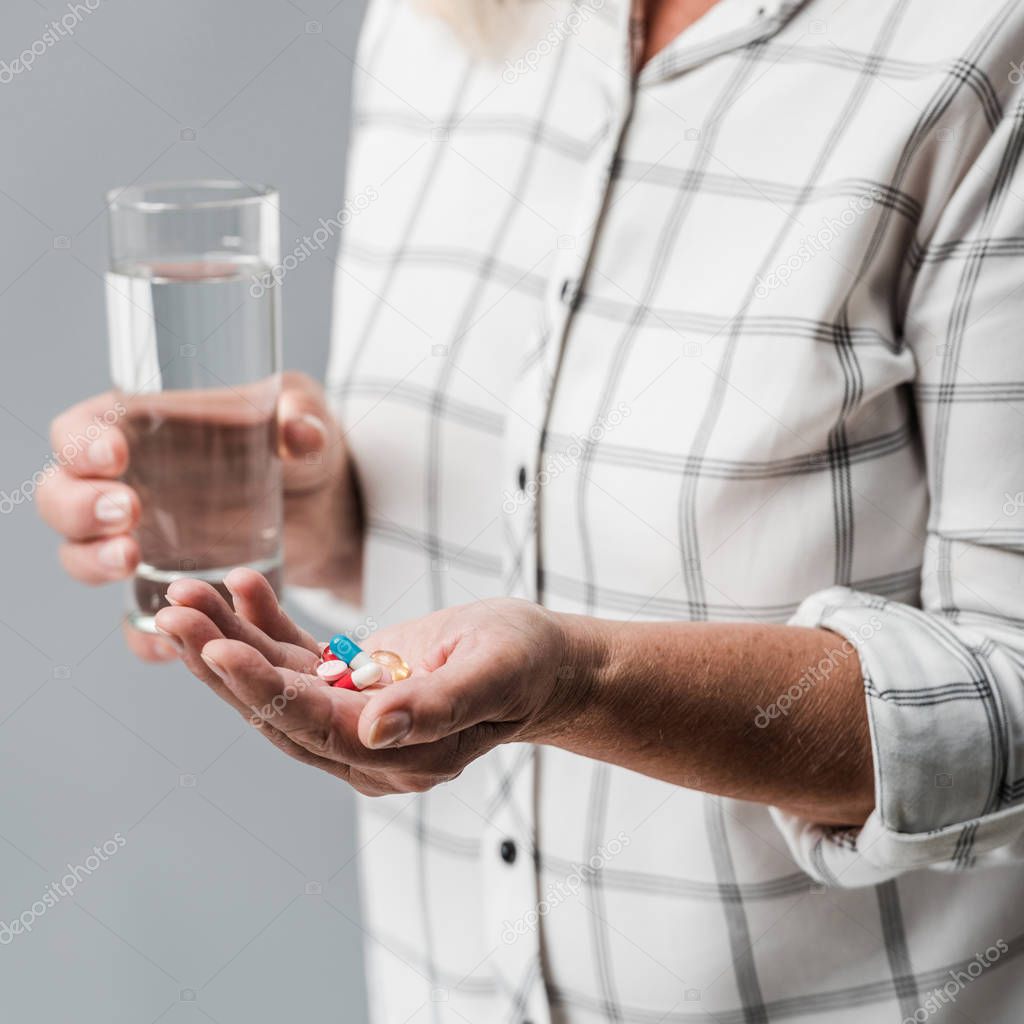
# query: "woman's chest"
(668, 328)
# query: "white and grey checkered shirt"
(737, 339)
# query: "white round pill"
(331, 670)
(366, 675)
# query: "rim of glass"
(234, 193)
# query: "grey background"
(204, 914)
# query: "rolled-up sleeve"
(944, 682)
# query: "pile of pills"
(344, 664)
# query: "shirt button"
(521, 478)
(508, 851)
(570, 292)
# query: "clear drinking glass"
(195, 352)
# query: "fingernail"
(214, 667)
(111, 555)
(315, 422)
(101, 452)
(306, 433)
(112, 508)
(166, 650)
(171, 600)
(390, 729)
(171, 640)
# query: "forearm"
(680, 702)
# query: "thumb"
(308, 434)
(429, 706)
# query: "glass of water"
(195, 352)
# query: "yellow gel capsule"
(394, 663)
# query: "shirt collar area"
(729, 25)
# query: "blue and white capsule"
(347, 650)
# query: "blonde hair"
(488, 29)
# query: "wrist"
(585, 653)
(323, 537)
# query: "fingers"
(100, 561)
(300, 754)
(86, 509)
(303, 707)
(302, 415)
(310, 438)
(428, 707)
(86, 441)
(85, 504)
(148, 647)
(204, 598)
(95, 516)
(189, 631)
(291, 710)
(255, 600)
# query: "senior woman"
(677, 380)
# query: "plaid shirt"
(736, 338)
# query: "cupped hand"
(482, 674)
